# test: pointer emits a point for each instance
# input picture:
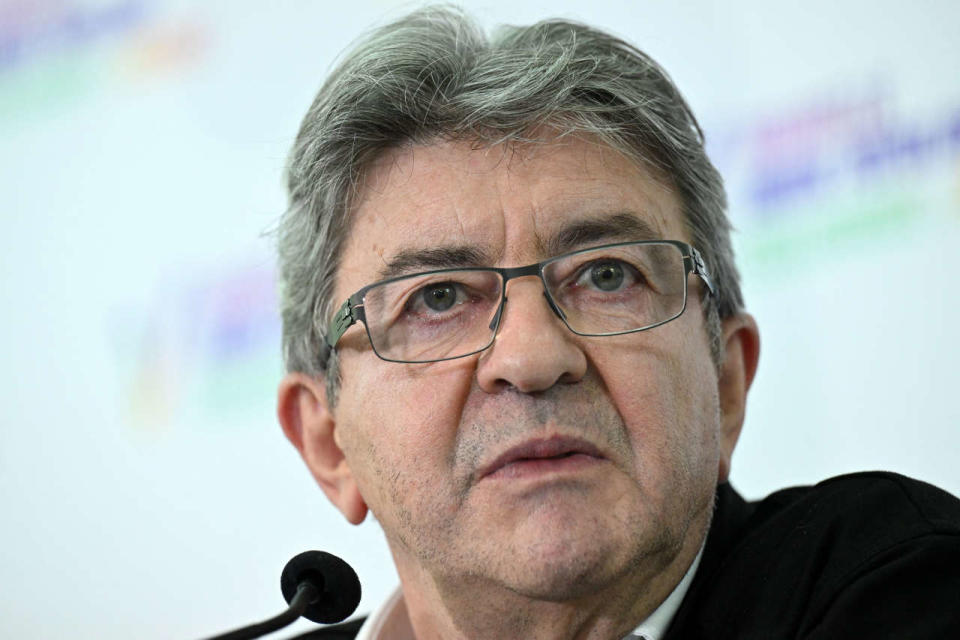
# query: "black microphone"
(317, 585)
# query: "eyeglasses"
(453, 313)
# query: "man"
(514, 332)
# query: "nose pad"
(527, 357)
(553, 305)
(496, 317)
(495, 322)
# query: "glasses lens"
(618, 289)
(432, 316)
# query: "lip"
(543, 454)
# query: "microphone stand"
(306, 594)
(317, 585)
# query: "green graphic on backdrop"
(72, 53)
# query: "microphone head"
(334, 580)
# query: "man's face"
(549, 462)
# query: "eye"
(607, 276)
(439, 297)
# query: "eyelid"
(629, 267)
(465, 289)
(418, 291)
(577, 263)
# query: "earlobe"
(310, 427)
(742, 353)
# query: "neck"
(471, 607)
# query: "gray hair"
(434, 75)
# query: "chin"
(572, 563)
(562, 582)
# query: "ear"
(309, 425)
(741, 341)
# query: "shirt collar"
(389, 621)
(657, 622)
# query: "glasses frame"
(352, 310)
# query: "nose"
(533, 349)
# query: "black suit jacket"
(867, 556)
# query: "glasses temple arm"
(343, 319)
(696, 265)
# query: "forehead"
(503, 205)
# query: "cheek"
(397, 424)
(664, 386)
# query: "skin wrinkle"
(640, 397)
(340, 134)
(491, 560)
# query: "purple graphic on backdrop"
(775, 164)
(32, 29)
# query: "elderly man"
(514, 333)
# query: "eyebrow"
(414, 260)
(616, 227)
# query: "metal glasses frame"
(352, 310)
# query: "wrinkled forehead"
(502, 205)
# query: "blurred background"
(145, 488)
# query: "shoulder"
(842, 520)
(810, 561)
(868, 511)
(871, 495)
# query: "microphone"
(335, 581)
(317, 585)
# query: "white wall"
(146, 490)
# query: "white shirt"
(390, 621)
